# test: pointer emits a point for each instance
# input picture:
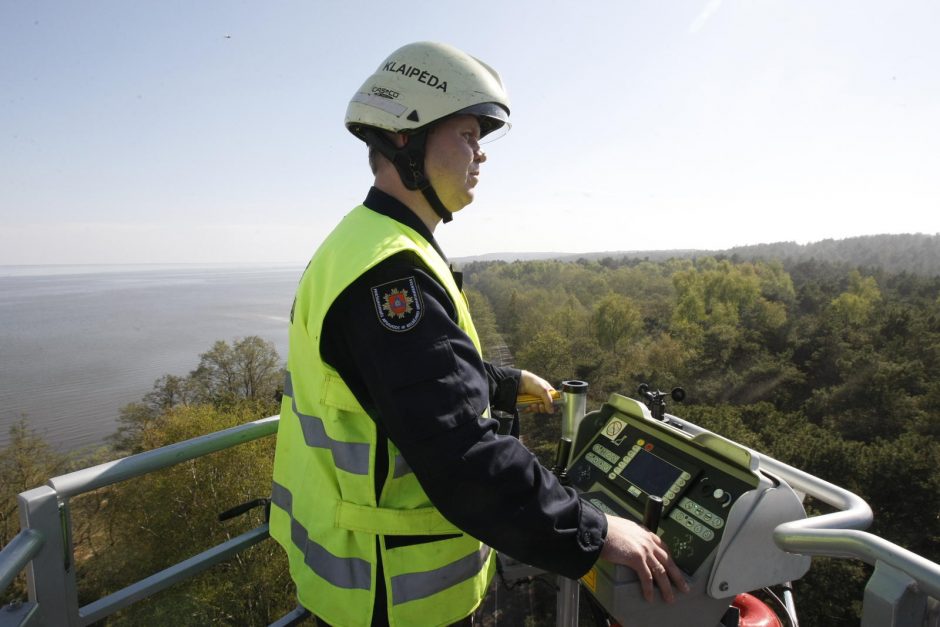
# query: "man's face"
(453, 159)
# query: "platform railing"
(44, 546)
(902, 592)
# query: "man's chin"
(461, 203)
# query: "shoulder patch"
(398, 304)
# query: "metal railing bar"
(291, 618)
(854, 511)
(108, 473)
(165, 578)
(863, 546)
(17, 554)
(839, 534)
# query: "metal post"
(575, 397)
(790, 603)
(574, 394)
(50, 576)
(566, 607)
(892, 599)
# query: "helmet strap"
(409, 162)
(431, 196)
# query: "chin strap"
(409, 162)
(436, 204)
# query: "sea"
(77, 343)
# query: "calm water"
(79, 342)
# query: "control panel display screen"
(650, 473)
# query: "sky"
(202, 132)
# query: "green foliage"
(25, 462)
(615, 319)
(831, 593)
(249, 369)
(854, 307)
(551, 350)
(917, 254)
(829, 368)
(227, 375)
(899, 479)
(485, 323)
(162, 518)
(540, 434)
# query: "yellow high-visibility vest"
(324, 510)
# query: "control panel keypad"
(693, 525)
(606, 453)
(597, 461)
(709, 518)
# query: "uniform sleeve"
(421, 379)
(503, 386)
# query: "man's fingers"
(662, 582)
(657, 539)
(677, 576)
(670, 568)
(646, 583)
(646, 554)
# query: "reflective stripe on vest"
(349, 456)
(414, 586)
(401, 467)
(342, 572)
(354, 573)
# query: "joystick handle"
(653, 512)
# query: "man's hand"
(634, 546)
(539, 387)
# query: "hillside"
(917, 253)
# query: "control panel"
(705, 496)
(629, 461)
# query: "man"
(391, 482)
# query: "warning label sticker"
(613, 428)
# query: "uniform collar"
(389, 206)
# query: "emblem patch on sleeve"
(398, 304)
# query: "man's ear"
(400, 139)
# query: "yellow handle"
(524, 400)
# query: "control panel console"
(718, 511)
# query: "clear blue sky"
(162, 131)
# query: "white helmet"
(416, 86)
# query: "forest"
(829, 366)
(914, 253)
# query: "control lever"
(653, 512)
(524, 400)
(562, 453)
(238, 510)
